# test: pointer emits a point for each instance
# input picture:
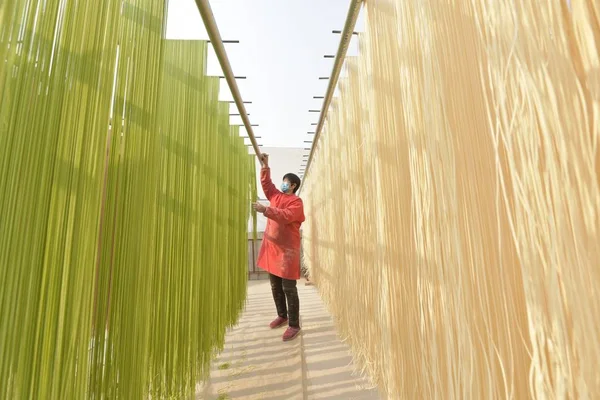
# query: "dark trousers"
(285, 289)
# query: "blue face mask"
(285, 187)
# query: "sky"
(281, 49)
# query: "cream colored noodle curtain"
(124, 199)
(452, 204)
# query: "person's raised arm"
(265, 178)
(294, 212)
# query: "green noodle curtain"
(123, 204)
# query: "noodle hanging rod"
(347, 33)
(217, 42)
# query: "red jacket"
(280, 250)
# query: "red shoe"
(290, 334)
(278, 322)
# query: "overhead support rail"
(354, 33)
(347, 33)
(217, 42)
(229, 41)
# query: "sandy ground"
(257, 364)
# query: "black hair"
(293, 178)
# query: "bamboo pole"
(215, 39)
(347, 33)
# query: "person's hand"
(264, 160)
(259, 208)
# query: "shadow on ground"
(257, 365)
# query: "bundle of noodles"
(463, 146)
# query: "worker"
(279, 253)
